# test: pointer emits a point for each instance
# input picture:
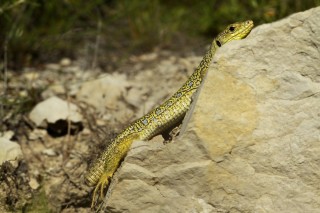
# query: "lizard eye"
(218, 43)
(232, 28)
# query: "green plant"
(38, 30)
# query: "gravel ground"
(50, 173)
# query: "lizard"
(160, 118)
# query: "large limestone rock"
(252, 143)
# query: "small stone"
(31, 76)
(55, 115)
(7, 134)
(33, 183)
(53, 67)
(10, 151)
(100, 122)
(86, 131)
(54, 109)
(134, 96)
(36, 134)
(149, 56)
(58, 89)
(49, 152)
(77, 71)
(23, 93)
(53, 91)
(65, 62)
(104, 92)
(106, 117)
(69, 165)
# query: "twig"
(5, 79)
(97, 45)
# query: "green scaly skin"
(162, 117)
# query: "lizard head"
(236, 31)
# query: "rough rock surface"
(251, 144)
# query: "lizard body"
(160, 118)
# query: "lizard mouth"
(248, 27)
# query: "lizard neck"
(201, 71)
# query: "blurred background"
(106, 32)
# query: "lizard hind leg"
(112, 160)
(102, 183)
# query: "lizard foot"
(102, 183)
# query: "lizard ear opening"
(218, 43)
(231, 28)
